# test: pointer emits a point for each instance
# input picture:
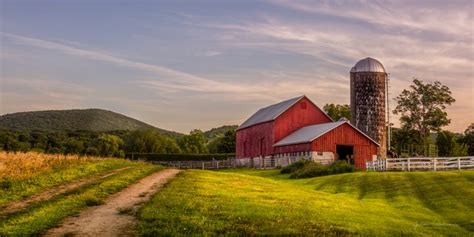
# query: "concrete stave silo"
(368, 100)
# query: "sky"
(181, 65)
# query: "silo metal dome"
(368, 65)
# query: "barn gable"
(272, 112)
(269, 113)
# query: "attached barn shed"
(328, 142)
(298, 127)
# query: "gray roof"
(269, 113)
(368, 65)
(311, 132)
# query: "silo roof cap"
(368, 65)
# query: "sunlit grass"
(24, 174)
(44, 215)
(266, 202)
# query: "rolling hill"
(74, 120)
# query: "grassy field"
(41, 172)
(25, 174)
(265, 202)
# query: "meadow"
(254, 202)
(237, 201)
(25, 175)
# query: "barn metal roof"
(312, 132)
(368, 65)
(269, 113)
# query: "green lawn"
(265, 202)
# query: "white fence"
(421, 163)
(269, 162)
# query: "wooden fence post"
(217, 164)
(434, 164)
(408, 164)
(459, 163)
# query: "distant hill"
(74, 120)
(217, 132)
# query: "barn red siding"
(347, 135)
(249, 140)
(299, 115)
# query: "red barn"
(298, 127)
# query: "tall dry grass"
(25, 165)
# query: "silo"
(368, 97)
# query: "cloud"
(394, 14)
(173, 81)
(170, 79)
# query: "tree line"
(115, 143)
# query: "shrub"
(310, 169)
(341, 167)
(293, 167)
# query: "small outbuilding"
(299, 128)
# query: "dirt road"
(114, 217)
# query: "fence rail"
(268, 162)
(421, 163)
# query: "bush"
(308, 169)
(293, 167)
(311, 169)
(341, 167)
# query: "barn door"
(262, 146)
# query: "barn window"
(303, 105)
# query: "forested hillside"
(97, 120)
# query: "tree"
(227, 143)
(450, 144)
(73, 146)
(468, 139)
(150, 141)
(109, 145)
(401, 138)
(194, 143)
(422, 107)
(337, 111)
(223, 144)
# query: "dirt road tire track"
(107, 219)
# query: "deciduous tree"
(422, 107)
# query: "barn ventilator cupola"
(369, 113)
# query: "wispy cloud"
(169, 78)
(395, 14)
(173, 81)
